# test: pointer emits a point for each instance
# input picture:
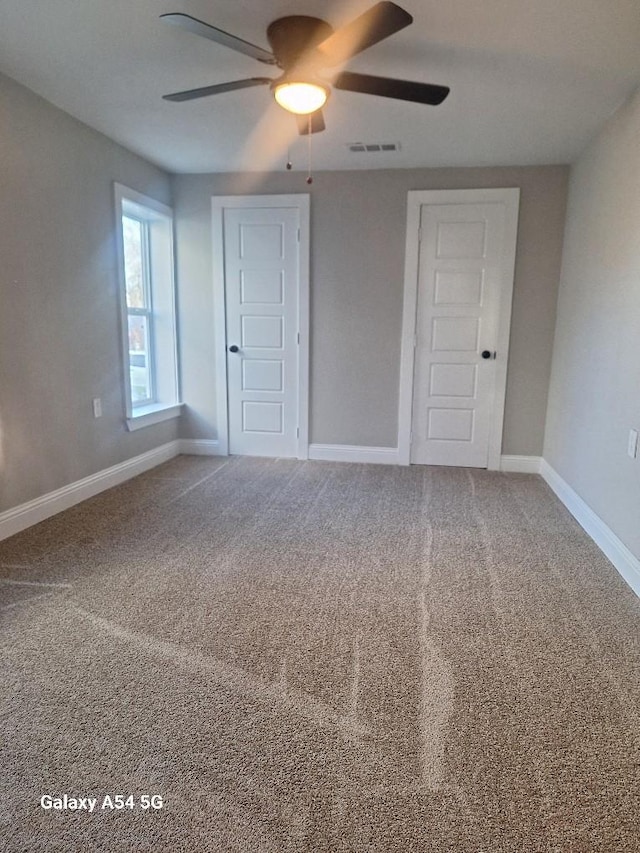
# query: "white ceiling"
(531, 80)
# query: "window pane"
(133, 262)
(139, 361)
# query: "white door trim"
(218, 206)
(416, 198)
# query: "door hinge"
(297, 432)
(298, 337)
(298, 235)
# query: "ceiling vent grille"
(372, 147)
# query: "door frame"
(218, 205)
(510, 197)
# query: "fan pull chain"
(289, 163)
(309, 177)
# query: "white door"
(458, 348)
(261, 276)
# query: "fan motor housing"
(290, 37)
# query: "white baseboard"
(390, 456)
(520, 464)
(20, 517)
(353, 453)
(199, 446)
(613, 548)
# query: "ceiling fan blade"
(317, 123)
(193, 25)
(378, 23)
(204, 91)
(388, 87)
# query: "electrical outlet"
(632, 447)
(97, 407)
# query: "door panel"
(453, 380)
(266, 332)
(451, 424)
(458, 287)
(460, 240)
(261, 287)
(455, 334)
(261, 300)
(261, 417)
(459, 280)
(260, 375)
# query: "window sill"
(145, 416)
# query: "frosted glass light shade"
(301, 98)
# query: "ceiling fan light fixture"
(301, 97)
(300, 46)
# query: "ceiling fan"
(303, 47)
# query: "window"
(135, 240)
(147, 294)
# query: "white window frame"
(162, 350)
(146, 312)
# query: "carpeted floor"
(303, 656)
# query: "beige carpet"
(318, 657)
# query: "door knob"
(486, 353)
(234, 348)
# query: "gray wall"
(595, 388)
(59, 321)
(357, 267)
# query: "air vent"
(372, 147)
